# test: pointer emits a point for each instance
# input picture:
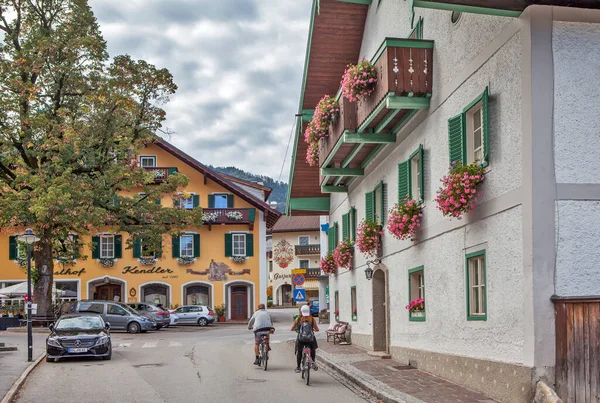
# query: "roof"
(267, 190)
(271, 215)
(297, 223)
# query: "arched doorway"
(197, 294)
(240, 297)
(107, 288)
(285, 295)
(156, 293)
(380, 336)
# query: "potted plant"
(458, 194)
(368, 237)
(342, 254)
(416, 308)
(354, 314)
(337, 315)
(328, 264)
(221, 310)
(404, 219)
(359, 80)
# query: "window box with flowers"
(342, 254)
(325, 112)
(368, 238)
(234, 215)
(404, 219)
(106, 261)
(328, 264)
(416, 289)
(358, 81)
(337, 315)
(238, 259)
(458, 194)
(354, 315)
(186, 260)
(210, 217)
(147, 260)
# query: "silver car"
(160, 315)
(195, 315)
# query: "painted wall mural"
(283, 253)
(218, 271)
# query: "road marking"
(275, 341)
(175, 344)
(125, 345)
(150, 344)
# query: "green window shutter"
(228, 245)
(118, 246)
(422, 183)
(252, 214)
(249, 245)
(456, 139)
(175, 252)
(211, 201)
(13, 248)
(76, 252)
(176, 202)
(158, 253)
(486, 126)
(353, 223)
(196, 245)
(137, 248)
(196, 200)
(369, 205)
(229, 201)
(335, 235)
(330, 239)
(96, 246)
(404, 187)
(345, 225)
(157, 201)
(383, 203)
(172, 171)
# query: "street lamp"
(368, 270)
(29, 238)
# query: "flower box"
(147, 260)
(106, 262)
(459, 195)
(354, 317)
(239, 259)
(417, 314)
(186, 261)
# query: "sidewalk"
(391, 381)
(13, 363)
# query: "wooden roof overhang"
(506, 8)
(334, 40)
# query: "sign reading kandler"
(135, 270)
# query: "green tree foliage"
(71, 124)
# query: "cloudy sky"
(238, 65)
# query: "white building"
(517, 87)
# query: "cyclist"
(305, 325)
(262, 324)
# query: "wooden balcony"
(312, 273)
(307, 250)
(161, 174)
(228, 216)
(404, 86)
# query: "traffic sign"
(299, 295)
(299, 271)
(298, 279)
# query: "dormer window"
(148, 161)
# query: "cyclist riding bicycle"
(305, 325)
(262, 324)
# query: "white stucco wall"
(578, 248)
(576, 48)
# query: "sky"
(238, 65)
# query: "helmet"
(305, 310)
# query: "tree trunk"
(44, 264)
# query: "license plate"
(78, 350)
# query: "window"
(303, 240)
(187, 246)
(375, 204)
(349, 225)
(239, 244)
(332, 237)
(468, 133)
(353, 304)
(220, 200)
(107, 247)
(410, 177)
(336, 303)
(416, 289)
(186, 203)
(417, 32)
(116, 310)
(91, 308)
(147, 161)
(476, 286)
(304, 264)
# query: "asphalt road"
(186, 364)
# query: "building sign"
(135, 270)
(283, 253)
(69, 272)
(278, 276)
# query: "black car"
(79, 336)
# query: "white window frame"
(105, 241)
(143, 255)
(233, 246)
(181, 249)
(473, 132)
(378, 204)
(226, 195)
(307, 240)
(476, 266)
(184, 200)
(148, 157)
(415, 177)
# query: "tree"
(71, 124)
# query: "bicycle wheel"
(303, 364)
(308, 372)
(266, 359)
(261, 351)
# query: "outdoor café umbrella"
(20, 290)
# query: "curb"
(14, 389)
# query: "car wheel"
(109, 356)
(202, 322)
(133, 327)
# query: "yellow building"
(224, 261)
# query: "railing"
(161, 174)
(312, 273)
(228, 215)
(308, 250)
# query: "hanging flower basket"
(342, 254)
(368, 238)
(359, 81)
(147, 261)
(404, 219)
(458, 194)
(325, 112)
(106, 262)
(185, 261)
(234, 215)
(312, 154)
(328, 264)
(239, 259)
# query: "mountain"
(279, 193)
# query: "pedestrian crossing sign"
(299, 295)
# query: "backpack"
(305, 333)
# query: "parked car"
(314, 308)
(160, 315)
(78, 336)
(195, 314)
(120, 316)
(174, 317)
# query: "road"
(186, 364)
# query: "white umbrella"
(20, 290)
(3, 296)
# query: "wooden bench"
(337, 331)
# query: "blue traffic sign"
(299, 295)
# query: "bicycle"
(307, 363)
(263, 351)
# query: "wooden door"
(239, 302)
(108, 292)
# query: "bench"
(337, 331)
